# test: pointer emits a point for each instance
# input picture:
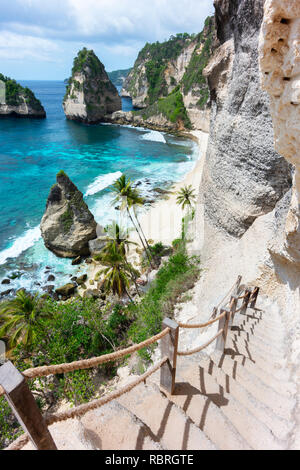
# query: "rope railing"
(201, 325)
(81, 410)
(26, 408)
(204, 346)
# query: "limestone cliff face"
(243, 176)
(280, 68)
(90, 94)
(177, 64)
(18, 101)
(67, 225)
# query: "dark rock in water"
(6, 292)
(48, 289)
(89, 261)
(82, 279)
(76, 261)
(66, 291)
(5, 281)
(51, 278)
(37, 284)
(48, 268)
(67, 225)
(90, 94)
(74, 279)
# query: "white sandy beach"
(162, 222)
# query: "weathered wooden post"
(223, 325)
(233, 305)
(237, 285)
(254, 297)
(169, 347)
(24, 406)
(246, 301)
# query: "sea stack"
(17, 101)
(90, 94)
(67, 225)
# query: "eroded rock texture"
(280, 76)
(243, 177)
(67, 225)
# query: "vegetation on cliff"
(172, 107)
(193, 76)
(152, 72)
(118, 76)
(16, 95)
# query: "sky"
(40, 38)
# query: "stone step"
(259, 335)
(113, 427)
(265, 360)
(259, 341)
(256, 368)
(238, 367)
(256, 347)
(249, 321)
(208, 417)
(167, 423)
(253, 431)
(279, 426)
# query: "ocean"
(33, 151)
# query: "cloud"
(15, 47)
(37, 29)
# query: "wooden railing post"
(233, 305)
(169, 348)
(246, 301)
(24, 406)
(237, 285)
(223, 325)
(254, 297)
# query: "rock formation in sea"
(18, 101)
(90, 94)
(67, 225)
(243, 176)
(167, 81)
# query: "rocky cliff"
(90, 94)
(279, 62)
(243, 176)
(174, 67)
(67, 225)
(18, 101)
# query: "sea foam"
(102, 182)
(25, 241)
(154, 136)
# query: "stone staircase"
(239, 400)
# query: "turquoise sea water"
(33, 151)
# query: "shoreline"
(162, 221)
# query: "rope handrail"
(194, 351)
(203, 325)
(45, 371)
(81, 410)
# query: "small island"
(19, 101)
(90, 94)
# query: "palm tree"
(116, 235)
(186, 196)
(128, 197)
(19, 319)
(118, 271)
